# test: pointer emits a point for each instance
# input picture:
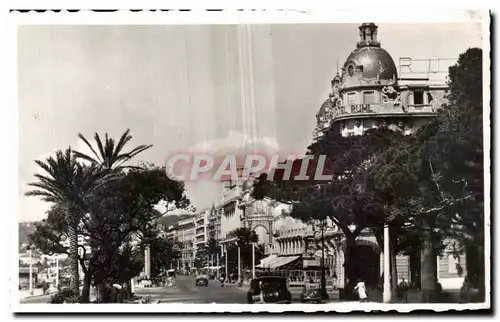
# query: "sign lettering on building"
(355, 108)
(361, 108)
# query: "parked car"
(201, 280)
(311, 295)
(269, 289)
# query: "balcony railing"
(297, 232)
(360, 110)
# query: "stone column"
(147, 262)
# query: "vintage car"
(269, 289)
(311, 295)
(202, 280)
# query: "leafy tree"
(119, 214)
(350, 199)
(163, 253)
(200, 258)
(445, 161)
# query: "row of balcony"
(388, 109)
(297, 232)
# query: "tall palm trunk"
(73, 255)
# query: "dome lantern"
(368, 35)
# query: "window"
(418, 98)
(452, 264)
(369, 97)
(351, 98)
(350, 70)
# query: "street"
(185, 291)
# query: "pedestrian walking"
(361, 288)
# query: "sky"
(186, 88)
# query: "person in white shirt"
(361, 288)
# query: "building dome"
(368, 59)
(375, 62)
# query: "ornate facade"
(368, 93)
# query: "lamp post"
(225, 257)
(323, 277)
(239, 265)
(31, 270)
(218, 267)
(253, 260)
(57, 271)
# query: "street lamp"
(323, 277)
(253, 260)
(225, 257)
(239, 264)
(30, 251)
(57, 271)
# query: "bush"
(65, 296)
(112, 294)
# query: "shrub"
(65, 296)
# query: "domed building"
(368, 93)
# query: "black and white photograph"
(258, 165)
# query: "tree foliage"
(111, 206)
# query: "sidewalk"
(24, 294)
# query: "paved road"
(185, 291)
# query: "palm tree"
(108, 155)
(66, 184)
(212, 248)
(244, 240)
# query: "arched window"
(350, 70)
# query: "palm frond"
(84, 139)
(101, 149)
(121, 143)
(83, 156)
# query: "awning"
(274, 261)
(264, 263)
(284, 261)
